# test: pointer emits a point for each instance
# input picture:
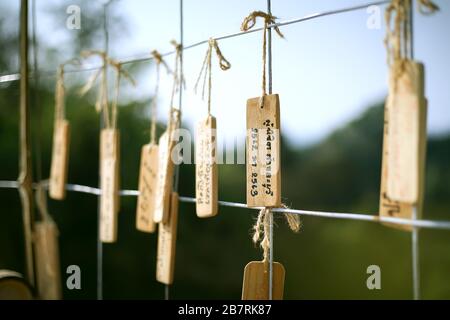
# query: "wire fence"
(415, 223)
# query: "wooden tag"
(164, 179)
(263, 152)
(206, 180)
(167, 237)
(404, 147)
(47, 260)
(60, 157)
(109, 184)
(256, 281)
(147, 188)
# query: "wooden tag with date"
(263, 152)
(109, 184)
(404, 147)
(167, 237)
(206, 179)
(256, 281)
(164, 178)
(147, 188)
(60, 160)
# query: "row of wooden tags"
(401, 184)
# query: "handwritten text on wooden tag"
(263, 152)
(206, 180)
(60, 159)
(109, 184)
(164, 178)
(167, 237)
(147, 188)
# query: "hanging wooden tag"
(47, 260)
(60, 157)
(164, 178)
(109, 184)
(167, 237)
(404, 147)
(263, 152)
(206, 180)
(256, 281)
(147, 188)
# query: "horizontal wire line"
(430, 224)
(144, 58)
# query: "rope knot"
(250, 21)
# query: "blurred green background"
(327, 259)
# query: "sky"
(327, 71)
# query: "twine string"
(248, 23)
(206, 69)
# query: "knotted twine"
(398, 34)
(206, 69)
(261, 230)
(102, 104)
(178, 82)
(60, 91)
(159, 60)
(248, 23)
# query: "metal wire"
(419, 223)
(147, 57)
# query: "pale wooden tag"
(263, 152)
(256, 281)
(404, 147)
(167, 237)
(206, 180)
(164, 178)
(60, 159)
(147, 188)
(109, 184)
(47, 260)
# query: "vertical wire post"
(25, 164)
(269, 56)
(415, 231)
(99, 242)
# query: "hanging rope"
(261, 228)
(178, 82)
(398, 33)
(159, 61)
(102, 104)
(206, 69)
(60, 90)
(248, 23)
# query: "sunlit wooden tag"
(263, 152)
(404, 147)
(167, 237)
(206, 180)
(109, 184)
(47, 260)
(60, 159)
(147, 188)
(164, 178)
(256, 281)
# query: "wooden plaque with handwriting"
(263, 152)
(147, 188)
(206, 179)
(167, 237)
(256, 281)
(404, 147)
(164, 178)
(60, 160)
(109, 184)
